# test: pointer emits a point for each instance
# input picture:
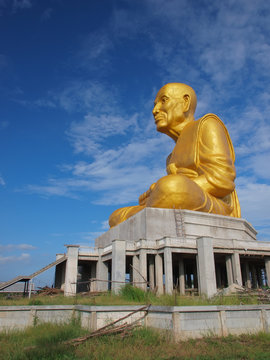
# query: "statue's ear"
(187, 101)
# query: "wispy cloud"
(94, 51)
(3, 60)
(2, 181)
(46, 15)
(4, 124)
(221, 50)
(9, 247)
(21, 4)
(114, 175)
(81, 96)
(13, 259)
(254, 199)
(87, 134)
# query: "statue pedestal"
(179, 250)
(187, 250)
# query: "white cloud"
(86, 134)
(3, 61)
(9, 247)
(214, 39)
(105, 225)
(218, 48)
(57, 234)
(46, 15)
(4, 124)
(82, 96)
(2, 181)
(56, 187)
(21, 4)
(94, 51)
(13, 258)
(258, 164)
(114, 175)
(254, 200)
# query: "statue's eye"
(163, 100)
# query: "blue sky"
(77, 85)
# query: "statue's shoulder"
(210, 120)
(212, 123)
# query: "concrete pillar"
(267, 270)
(118, 264)
(218, 275)
(168, 270)
(181, 276)
(93, 275)
(237, 275)
(254, 277)
(143, 269)
(60, 271)
(248, 278)
(151, 272)
(229, 269)
(135, 270)
(206, 266)
(71, 270)
(101, 274)
(159, 273)
(259, 276)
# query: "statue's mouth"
(158, 118)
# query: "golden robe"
(204, 148)
(201, 173)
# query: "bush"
(35, 302)
(132, 293)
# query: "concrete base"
(178, 250)
(153, 224)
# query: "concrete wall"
(155, 223)
(184, 321)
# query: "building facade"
(165, 250)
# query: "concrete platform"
(168, 250)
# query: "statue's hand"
(172, 169)
(145, 195)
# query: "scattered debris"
(46, 290)
(110, 329)
(262, 294)
(232, 289)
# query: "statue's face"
(169, 108)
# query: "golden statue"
(200, 169)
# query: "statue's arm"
(216, 167)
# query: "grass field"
(129, 296)
(46, 342)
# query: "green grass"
(45, 341)
(129, 296)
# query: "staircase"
(179, 223)
(27, 278)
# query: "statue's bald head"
(180, 91)
(175, 106)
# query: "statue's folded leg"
(123, 214)
(175, 192)
(180, 192)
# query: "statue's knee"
(116, 217)
(173, 184)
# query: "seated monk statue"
(200, 168)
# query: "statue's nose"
(155, 110)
